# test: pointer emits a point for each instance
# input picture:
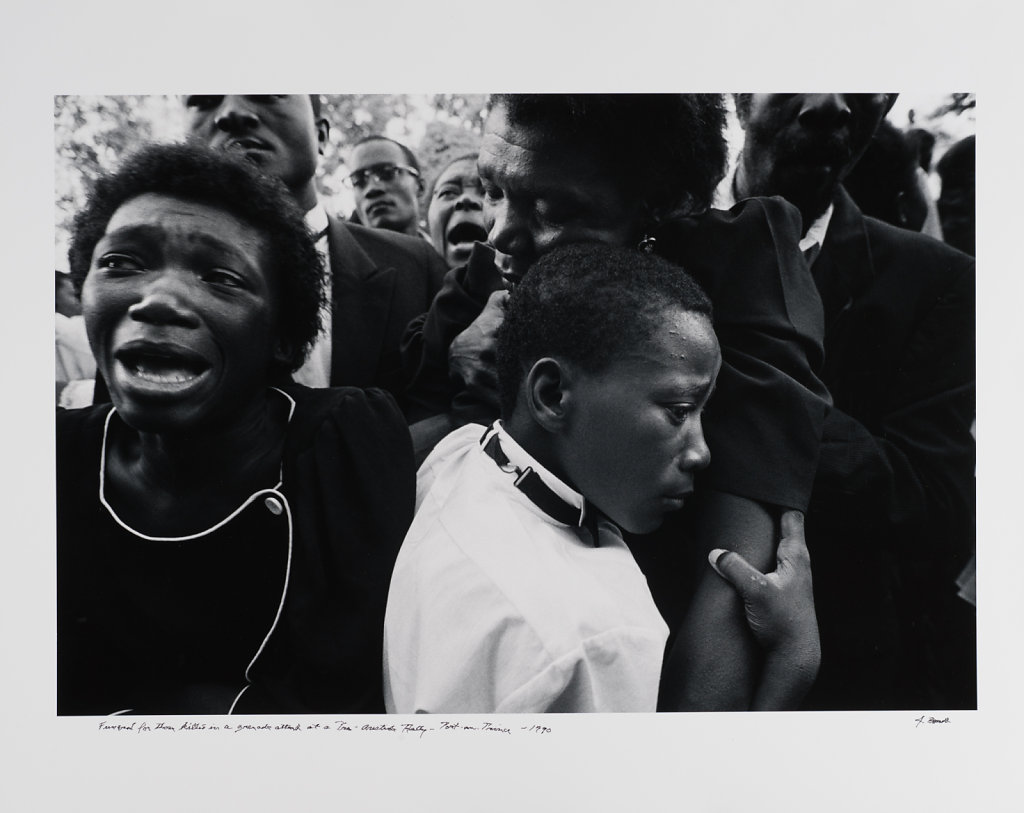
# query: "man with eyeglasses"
(378, 281)
(387, 183)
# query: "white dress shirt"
(497, 607)
(813, 239)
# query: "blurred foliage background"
(92, 133)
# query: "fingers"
(793, 545)
(792, 524)
(497, 300)
(736, 570)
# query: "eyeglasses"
(382, 173)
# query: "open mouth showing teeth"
(467, 233)
(160, 368)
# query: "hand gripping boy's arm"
(779, 609)
(714, 663)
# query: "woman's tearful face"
(179, 308)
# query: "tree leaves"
(93, 133)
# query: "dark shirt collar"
(547, 492)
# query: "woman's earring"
(647, 244)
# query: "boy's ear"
(548, 393)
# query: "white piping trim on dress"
(245, 504)
(280, 606)
(251, 499)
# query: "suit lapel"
(844, 267)
(843, 273)
(360, 302)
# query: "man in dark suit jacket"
(891, 520)
(380, 280)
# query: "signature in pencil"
(926, 719)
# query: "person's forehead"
(688, 327)
(292, 102)
(182, 218)
(462, 170)
(298, 105)
(510, 144)
(655, 369)
(675, 329)
(533, 137)
(550, 169)
(377, 152)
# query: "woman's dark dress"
(278, 609)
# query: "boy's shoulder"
(479, 548)
(447, 458)
(462, 494)
(474, 528)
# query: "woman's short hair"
(196, 173)
(588, 303)
(665, 149)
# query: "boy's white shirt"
(496, 607)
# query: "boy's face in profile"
(633, 438)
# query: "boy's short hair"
(196, 173)
(586, 303)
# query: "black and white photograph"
(447, 448)
(576, 538)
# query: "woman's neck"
(177, 484)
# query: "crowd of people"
(589, 421)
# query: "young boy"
(514, 590)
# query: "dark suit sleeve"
(435, 268)
(909, 461)
(462, 297)
(381, 281)
(764, 422)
